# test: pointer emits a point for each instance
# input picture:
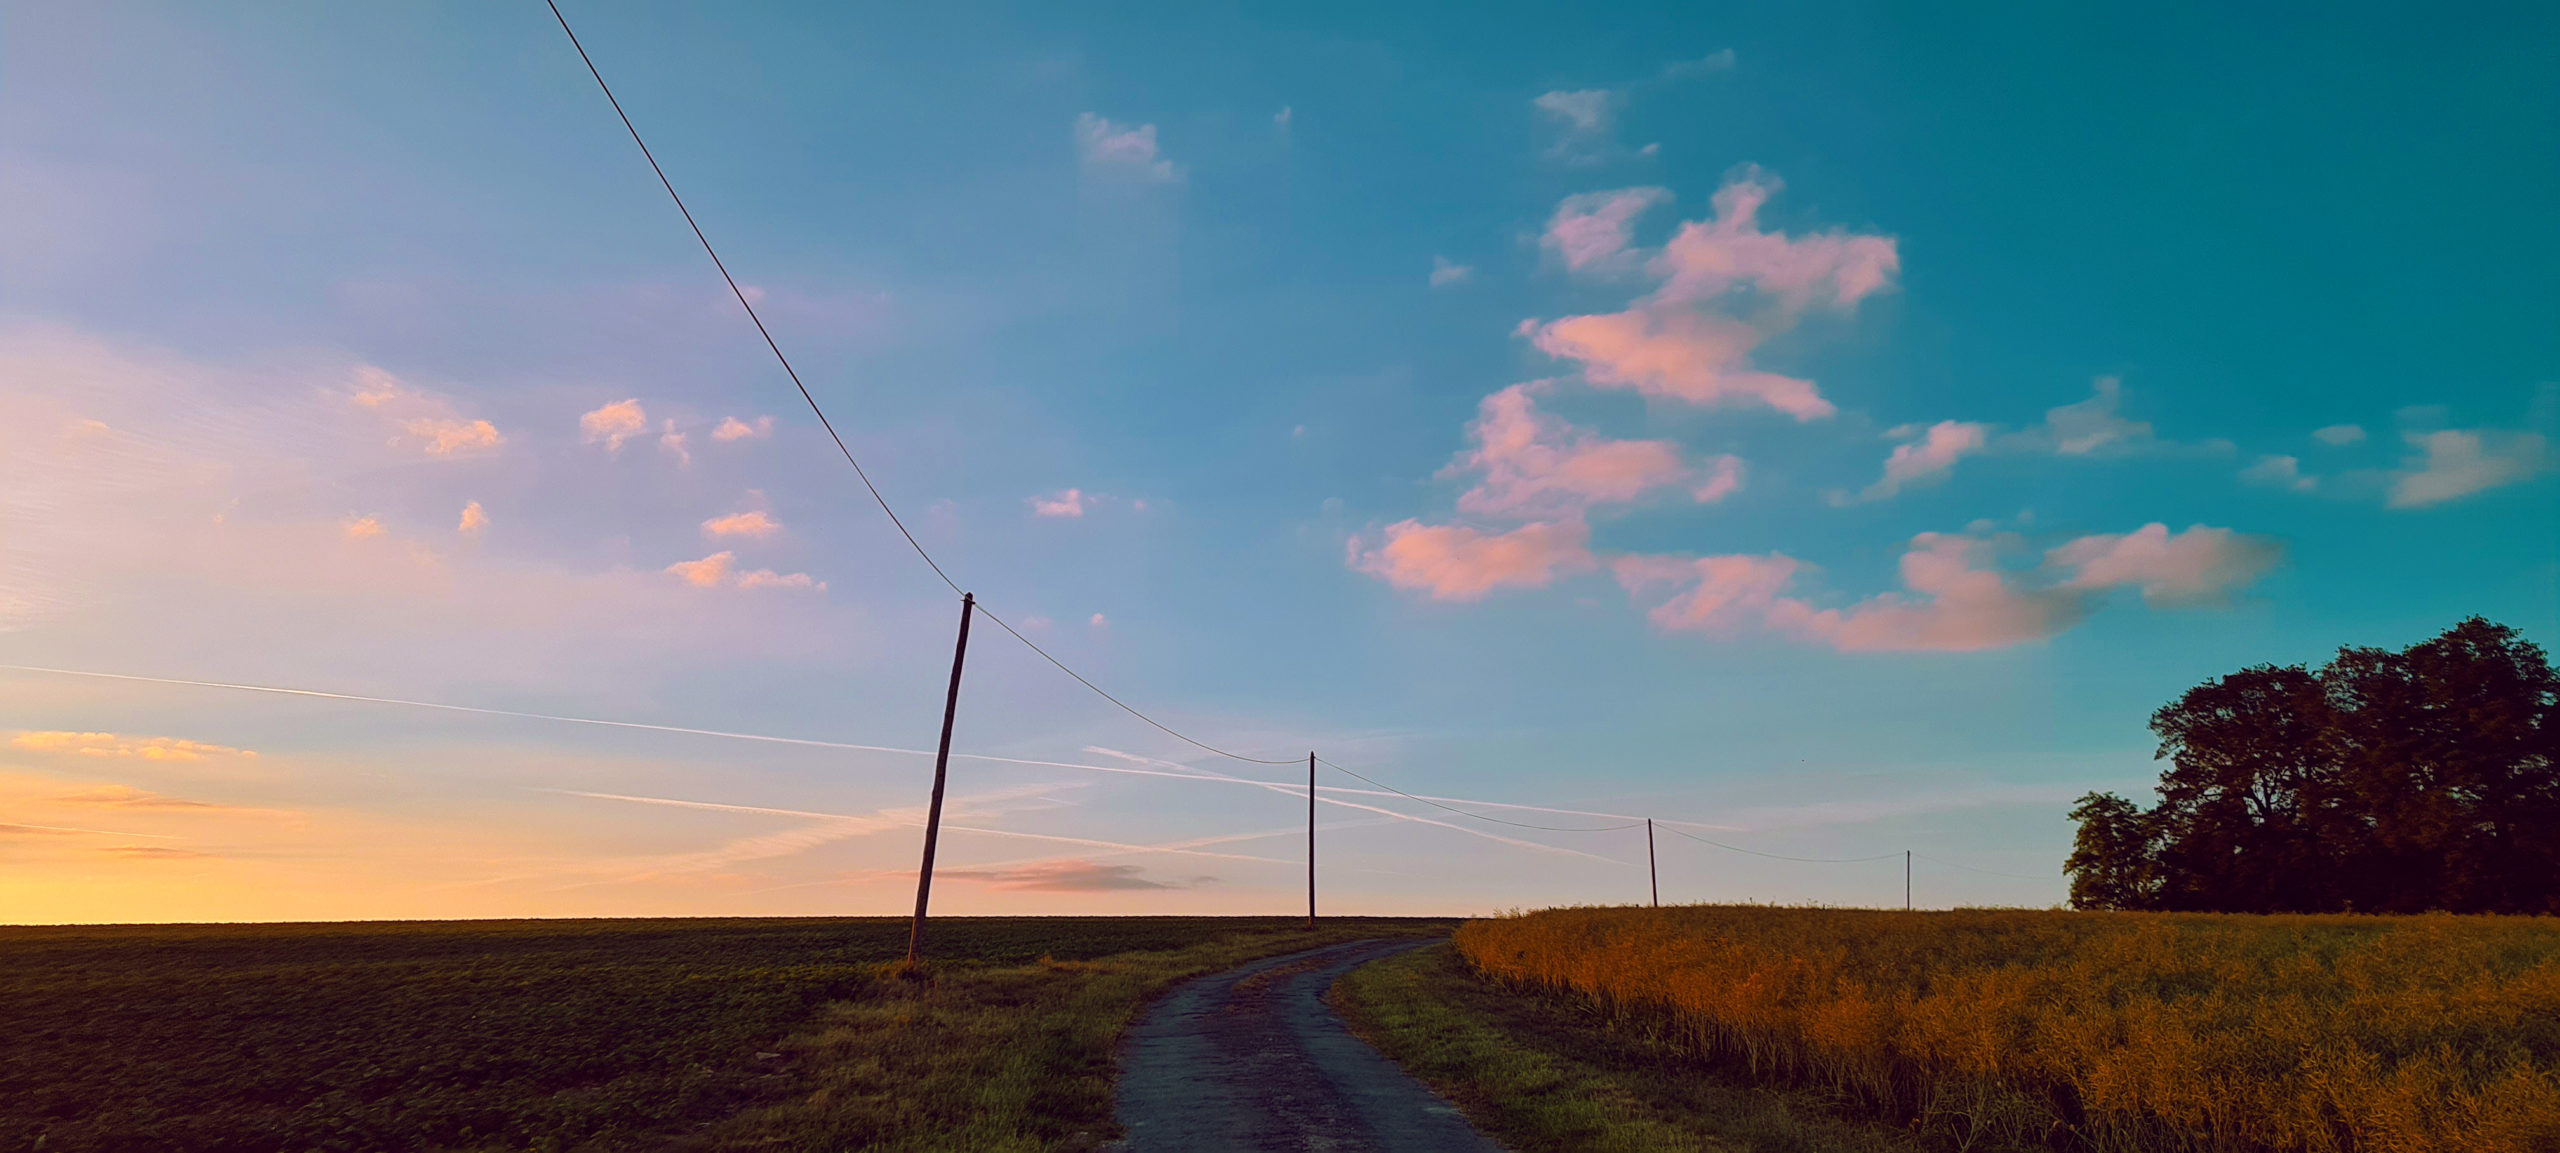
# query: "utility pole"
(1906, 880)
(941, 772)
(1649, 869)
(1311, 840)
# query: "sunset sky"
(1833, 427)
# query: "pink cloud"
(1592, 230)
(115, 745)
(708, 572)
(1454, 562)
(1709, 258)
(1691, 339)
(361, 527)
(673, 442)
(2199, 566)
(749, 524)
(453, 437)
(1954, 598)
(1679, 355)
(613, 423)
(1066, 503)
(731, 428)
(1963, 604)
(1928, 459)
(1534, 464)
(1723, 593)
(473, 520)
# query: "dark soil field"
(566, 1035)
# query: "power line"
(1477, 816)
(821, 413)
(1124, 706)
(1784, 857)
(1977, 868)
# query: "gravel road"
(1253, 1059)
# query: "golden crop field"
(2105, 1030)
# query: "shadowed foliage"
(2386, 782)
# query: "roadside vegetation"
(1548, 1073)
(768, 1034)
(2104, 1031)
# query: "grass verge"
(557, 1036)
(1537, 1073)
(987, 1059)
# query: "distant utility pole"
(1311, 840)
(1906, 880)
(941, 772)
(1649, 869)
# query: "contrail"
(1192, 774)
(817, 816)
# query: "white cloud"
(765, 578)
(1446, 272)
(2092, 425)
(2280, 472)
(2339, 435)
(1281, 119)
(1582, 121)
(2455, 463)
(612, 424)
(1106, 148)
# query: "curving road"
(1253, 1059)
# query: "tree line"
(2381, 782)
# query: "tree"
(2383, 782)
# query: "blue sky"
(1746, 417)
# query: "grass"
(1542, 1073)
(2091, 1031)
(780, 1035)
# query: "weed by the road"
(1537, 1073)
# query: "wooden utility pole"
(1311, 840)
(941, 772)
(1906, 880)
(1649, 869)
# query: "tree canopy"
(2382, 782)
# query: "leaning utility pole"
(1649, 869)
(1311, 840)
(941, 771)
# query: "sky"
(1829, 430)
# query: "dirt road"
(1253, 1059)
